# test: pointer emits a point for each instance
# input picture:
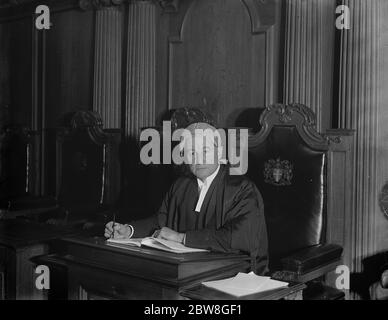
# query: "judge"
(209, 209)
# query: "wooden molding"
(261, 16)
(169, 6)
(262, 13)
(298, 115)
(98, 4)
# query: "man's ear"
(220, 154)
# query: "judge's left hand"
(169, 234)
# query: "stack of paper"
(245, 284)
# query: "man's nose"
(198, 158)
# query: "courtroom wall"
(382, 127)
(229, 57)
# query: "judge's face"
(204, 159)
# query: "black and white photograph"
(215, 152)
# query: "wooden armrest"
(311, 258)
(290, 276)
(310, 263)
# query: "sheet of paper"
(245, 284)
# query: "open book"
(161, 244)
(245, 284)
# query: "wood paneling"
(16, 70)
(309, 61)
(4, 64)
(108, 65)
(358, 106)
(69, 63)
(218, 61)
(382, 158)
(141, 60)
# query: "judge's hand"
(120, 231)
(169, 234)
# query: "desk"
(21, 241)
(96, 270)
(200, 292)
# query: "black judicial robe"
(231, 217)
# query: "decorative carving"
(80, 119)
(287, 112)
(183, 117)
(383, 200)
(98, 4)
(278, 172)
(297, 115)
(89, 120)
(335, 139)
(169, 5)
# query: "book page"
(168, 245)
(132, 242)
(156, 243)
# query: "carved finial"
(98, 4)
(169, 5)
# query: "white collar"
(208, 181)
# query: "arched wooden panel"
(218, 58)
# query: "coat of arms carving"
(278, 172)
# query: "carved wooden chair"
(87, 169)
(292, 166)
(20, 173)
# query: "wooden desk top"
(150, 264)
(19, 233)
(152, 254)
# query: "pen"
(155, 234)
(113, 225)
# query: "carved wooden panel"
(218, 58)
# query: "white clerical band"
(132, 230)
